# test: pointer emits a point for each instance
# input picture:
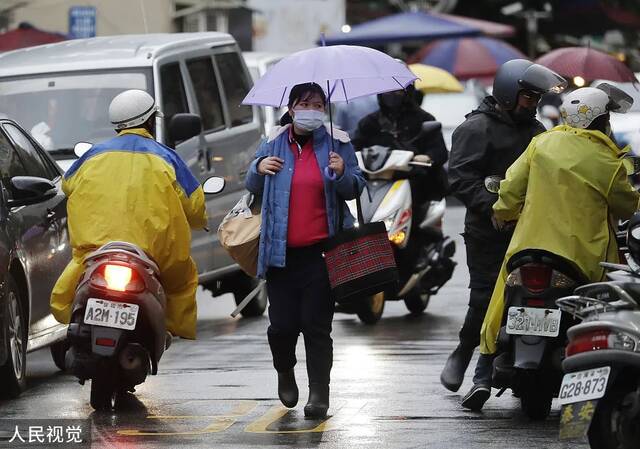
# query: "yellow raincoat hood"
(567, 191)
(134, 189)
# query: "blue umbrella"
(408, 26)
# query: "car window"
(205, 87)
(33, 162)
(174, 99)
(10, 163)
(236, 87)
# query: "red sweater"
(307, 207)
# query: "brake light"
(117, 277)
(590, 341)
(536, 277)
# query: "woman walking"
(301, 207)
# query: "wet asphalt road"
(220, 391)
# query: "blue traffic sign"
(82, 22)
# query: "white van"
(61, 94)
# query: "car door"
(41, 228)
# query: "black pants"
(484, 259)
(299, 301)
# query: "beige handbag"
(239, 233)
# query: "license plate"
(533, 321)
(120, 315)
(584, 385)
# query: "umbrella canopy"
(407, 26)
(488, 28)
(467, 58)
(344, 71)
(434, 79)
(27, 36)
(587, 63)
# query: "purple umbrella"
(344, 71)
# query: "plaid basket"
(360, 261)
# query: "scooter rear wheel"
(103, 393)
(614, 426)
(536, 404)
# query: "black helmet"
(518, 74)
(633, 237)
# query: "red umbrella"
(27, 36)
(466, 58)
(587, 63)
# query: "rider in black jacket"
(398, 125)
(483, 147)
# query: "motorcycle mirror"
(81, 147)
(214, 184)
(492, 183)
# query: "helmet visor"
(619, 100)
(540, 79)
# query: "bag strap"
(358, 206)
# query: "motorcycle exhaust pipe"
(134, 361)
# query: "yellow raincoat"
(134, 189)
(566, 191)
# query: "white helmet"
(132, 108)
(583, 106)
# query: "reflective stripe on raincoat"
(134, 189)
(567, 191)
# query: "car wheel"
(13, 372)
(371, 309)
(241, 286)
(58, 352)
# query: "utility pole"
(531, 18)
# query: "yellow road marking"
(275, 413)
(219, 424)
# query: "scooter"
(117, 331)
(600, 392)
(423, 268)
(532, 338)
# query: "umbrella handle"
(330, 174)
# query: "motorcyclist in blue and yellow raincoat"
(134, 189)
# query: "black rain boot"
(318, 403)
(452, 374)
(287, 388)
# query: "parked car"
(61, 93)
(34, 250)
(258, 63)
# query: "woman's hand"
(336, 163)
(270, 165)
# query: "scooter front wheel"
(371, 309)
(417, 301)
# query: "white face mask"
(308, 119)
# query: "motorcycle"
(600, 392)
(532, 338)
(117, 331)
(424, 262)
